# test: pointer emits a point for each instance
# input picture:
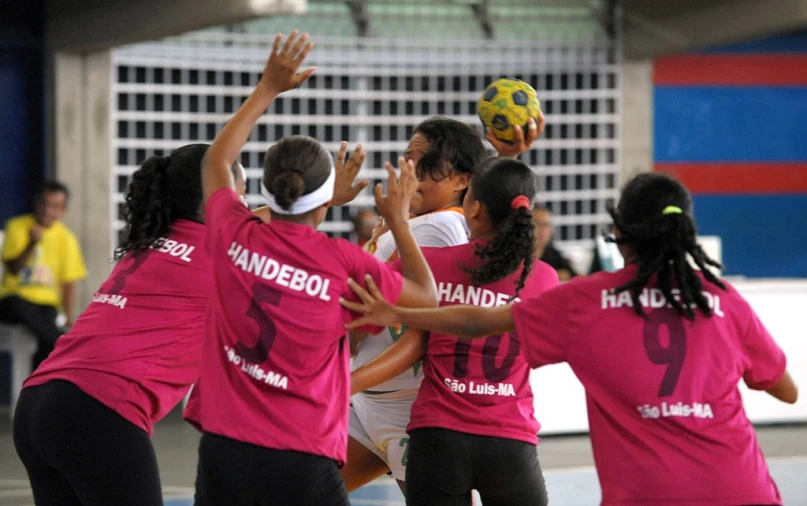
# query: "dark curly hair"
(661, 242)
(453, 145)
(495, 184)
(162, 190)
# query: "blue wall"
(22, 119)
(731, 124)
(22, 148)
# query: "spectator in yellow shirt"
(42, 261)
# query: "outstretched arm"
(279, 75)
(461, 321)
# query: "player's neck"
(300, 219)
(452, 206)
(482, 231)
(449, 205)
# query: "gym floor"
(566, 460)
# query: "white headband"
(306, 202)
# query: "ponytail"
(146, 208)
(654, 218)
(162, 190)
(505, 188)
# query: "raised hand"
(520, 144)
(373, 307)
(394, 207)
(281, 71)
(344, 190)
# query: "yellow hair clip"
(672, 210)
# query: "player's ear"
(461, 181)
(475, 210)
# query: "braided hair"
(162, 190)
(505, 187)
(654, 217)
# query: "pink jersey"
(275, 365)
(666, 416)
(478, 386)
(137, 346)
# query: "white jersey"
(437, 230)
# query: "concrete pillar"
(82, 156)
(637, 118)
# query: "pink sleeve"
(542, 327)
(396, 265)
(766, 360)
(222, 210)
(389, 282)
(542, 278)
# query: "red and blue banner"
(731, 124)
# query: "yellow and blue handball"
(506, 103)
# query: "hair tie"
(520, 202)
(672, 210)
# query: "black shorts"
(234, 473)
(445, 465)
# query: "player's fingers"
(276, 45)
(341, 155)
(541, 124)
(298, 45)
(391, 176)
(304, 75)
(354, 192)
(532, 131)
(358, 290)
(354, 306)
(289, 43)
(304, 51)
(358, 323)
(356, 160)
(518, 135)
(373, 288)
(378, 193)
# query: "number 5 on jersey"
(261, 294)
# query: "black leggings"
(445, 465)
(77, 451)
(233, 473)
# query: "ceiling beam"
(97, 25)
(481, 11)
(707, 24)
(358, 12)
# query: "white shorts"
(379, 423)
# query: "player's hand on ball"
(520, 143)
(280, 73)
(373, 307)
